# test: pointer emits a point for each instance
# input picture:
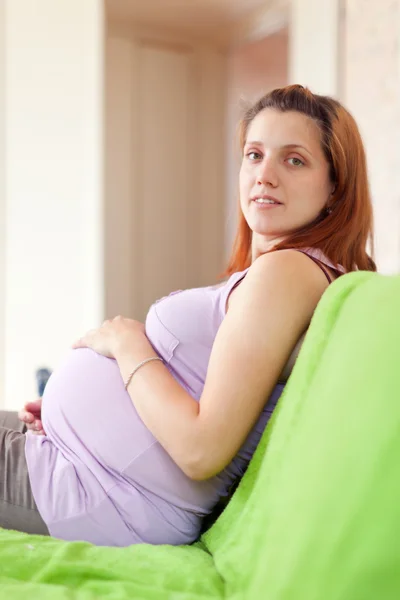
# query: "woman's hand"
(31, 415)
(114, 336)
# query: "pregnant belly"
(89, 416)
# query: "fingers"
(85, 341)
(37, 427)
(25, 416)
(81, 343)
(31, 414)
(32, 423)
(33, 407)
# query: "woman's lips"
(266, 202)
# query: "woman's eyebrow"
(297, 146)
(286, 146)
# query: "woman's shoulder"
(280, 285)
(284, 272)
(295, 256)
(277, 258)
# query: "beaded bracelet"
(138, 367)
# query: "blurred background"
(118, 158)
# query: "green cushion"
(317, 515)
(49, 569)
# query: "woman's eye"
(296, 162)
(253, 155)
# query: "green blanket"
(317, 515)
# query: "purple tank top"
(100, 475)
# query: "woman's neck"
(260, 245)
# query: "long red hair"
(343, 234)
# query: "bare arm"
(271, 309)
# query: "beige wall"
(119, 209)
(350, 50)
(371, 86)
(53, 168)
(164, 181)
(253, 69)
(314, 45)
(2, 196)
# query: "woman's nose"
(267, 174)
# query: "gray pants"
(17, 506)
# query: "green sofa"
(317, 515)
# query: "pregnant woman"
(143, 428)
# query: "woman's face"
(284, 177)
